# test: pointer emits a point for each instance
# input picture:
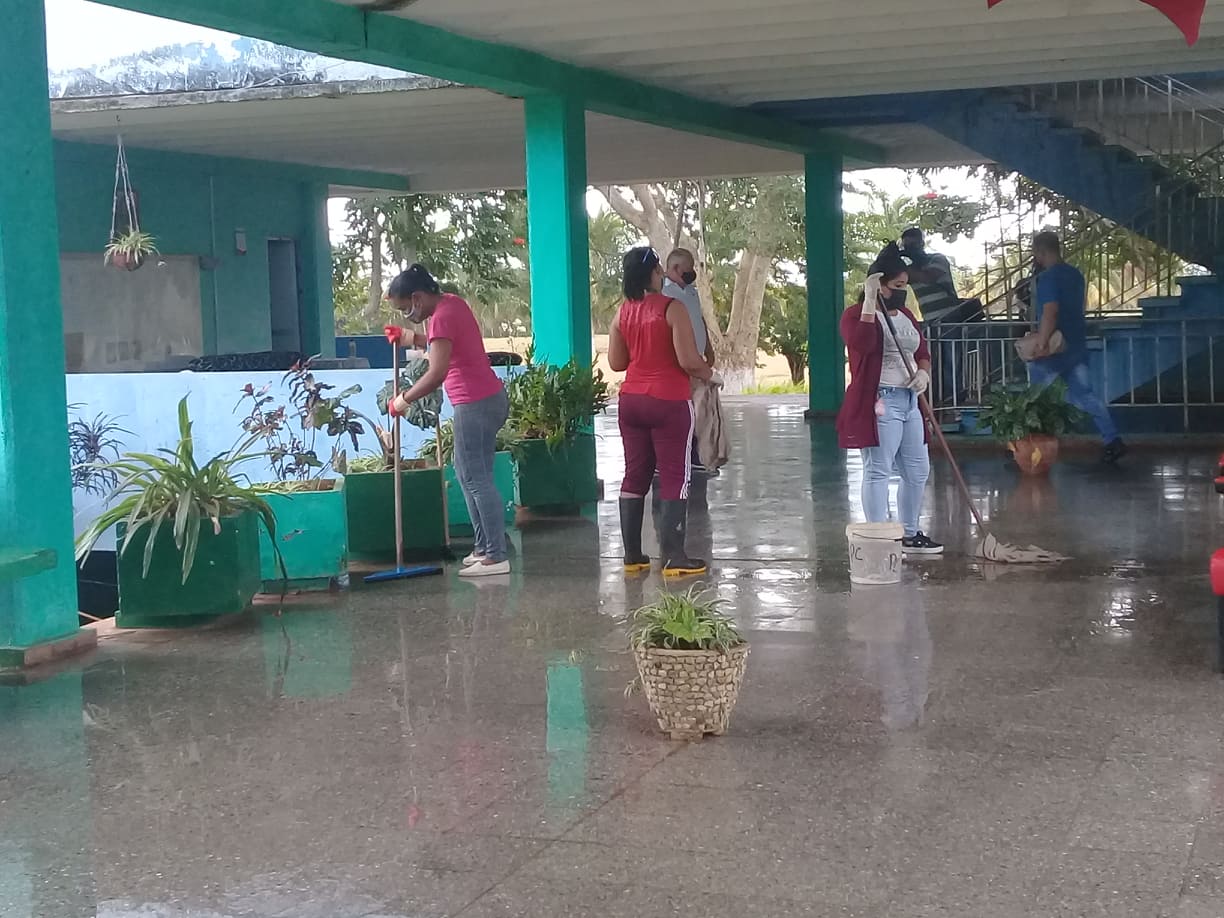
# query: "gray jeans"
(476, 427)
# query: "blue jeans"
(476, 427)
(1074, 372)
(903, 447)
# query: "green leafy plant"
(683, 621)
(91, 443)
(290, 431)
(422, 413)
(554, 403)
(131, 247)
(171, 487)
(364, 464)
(1014, 414)
(507, 441)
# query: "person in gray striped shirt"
(931, 280)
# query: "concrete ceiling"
(774, 50)
(442, 137)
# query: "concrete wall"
(193, 205)
(145, 405)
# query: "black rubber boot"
(676, 561)
(632, 509)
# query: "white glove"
(871, 296)
(715, 379)
(921, 381)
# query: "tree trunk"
(798, 365)
(374, 302)
(652, 217)
(735, 348)
(739, 346)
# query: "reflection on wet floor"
(977, 740)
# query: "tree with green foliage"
(476, 242)
(784, 327)
(739, 230)
(886, 218)
(350, 288)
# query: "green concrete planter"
(312, 532)
(371, 514)
(564, 477)
(504, 476)
(224, 577)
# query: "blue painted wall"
(193, 205)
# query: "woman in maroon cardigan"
(880, 415)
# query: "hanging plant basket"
(129, 247)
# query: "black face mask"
(689, 277)
(896, 299)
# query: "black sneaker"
(1114, 451)
(920, 544)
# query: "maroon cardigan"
(856, 422)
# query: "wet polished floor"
(973, 742)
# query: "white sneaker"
(486, 570)
(473, 558)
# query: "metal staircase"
(1147, 156)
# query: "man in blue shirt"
(1059, 301)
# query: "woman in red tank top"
(651, 339)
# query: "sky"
(83, 34)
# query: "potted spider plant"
(91, 443)
(690, 661)
(129, 246)
(131, 249)
(308, 492)
(504, 475)
(1030, 419)
(187, 533)
(370, 485)
(551, 409)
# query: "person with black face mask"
(881, 415)
(709, 440)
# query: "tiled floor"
(974, 743)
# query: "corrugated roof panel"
(802, 49)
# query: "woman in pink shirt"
(458, 362)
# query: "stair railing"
(1088, 248)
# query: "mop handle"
(395, 462)
(934, 424)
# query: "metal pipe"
(1185, 381)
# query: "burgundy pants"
(658, 434)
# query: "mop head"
(991, 549)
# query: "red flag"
(1187, 15)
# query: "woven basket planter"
(691, 692)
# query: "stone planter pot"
(1036, 454)
(561, 477)
(691, 692)
(312, 534)
(371, 514)
(224, 576)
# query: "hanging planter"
(129, 246)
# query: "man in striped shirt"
(931, 280)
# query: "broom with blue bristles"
(401, 571)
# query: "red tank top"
(654, 369)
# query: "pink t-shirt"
(470, 377)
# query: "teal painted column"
(318, 304)
(35, 486)
(557, 229)
(826, 296)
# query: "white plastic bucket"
(875, 552)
